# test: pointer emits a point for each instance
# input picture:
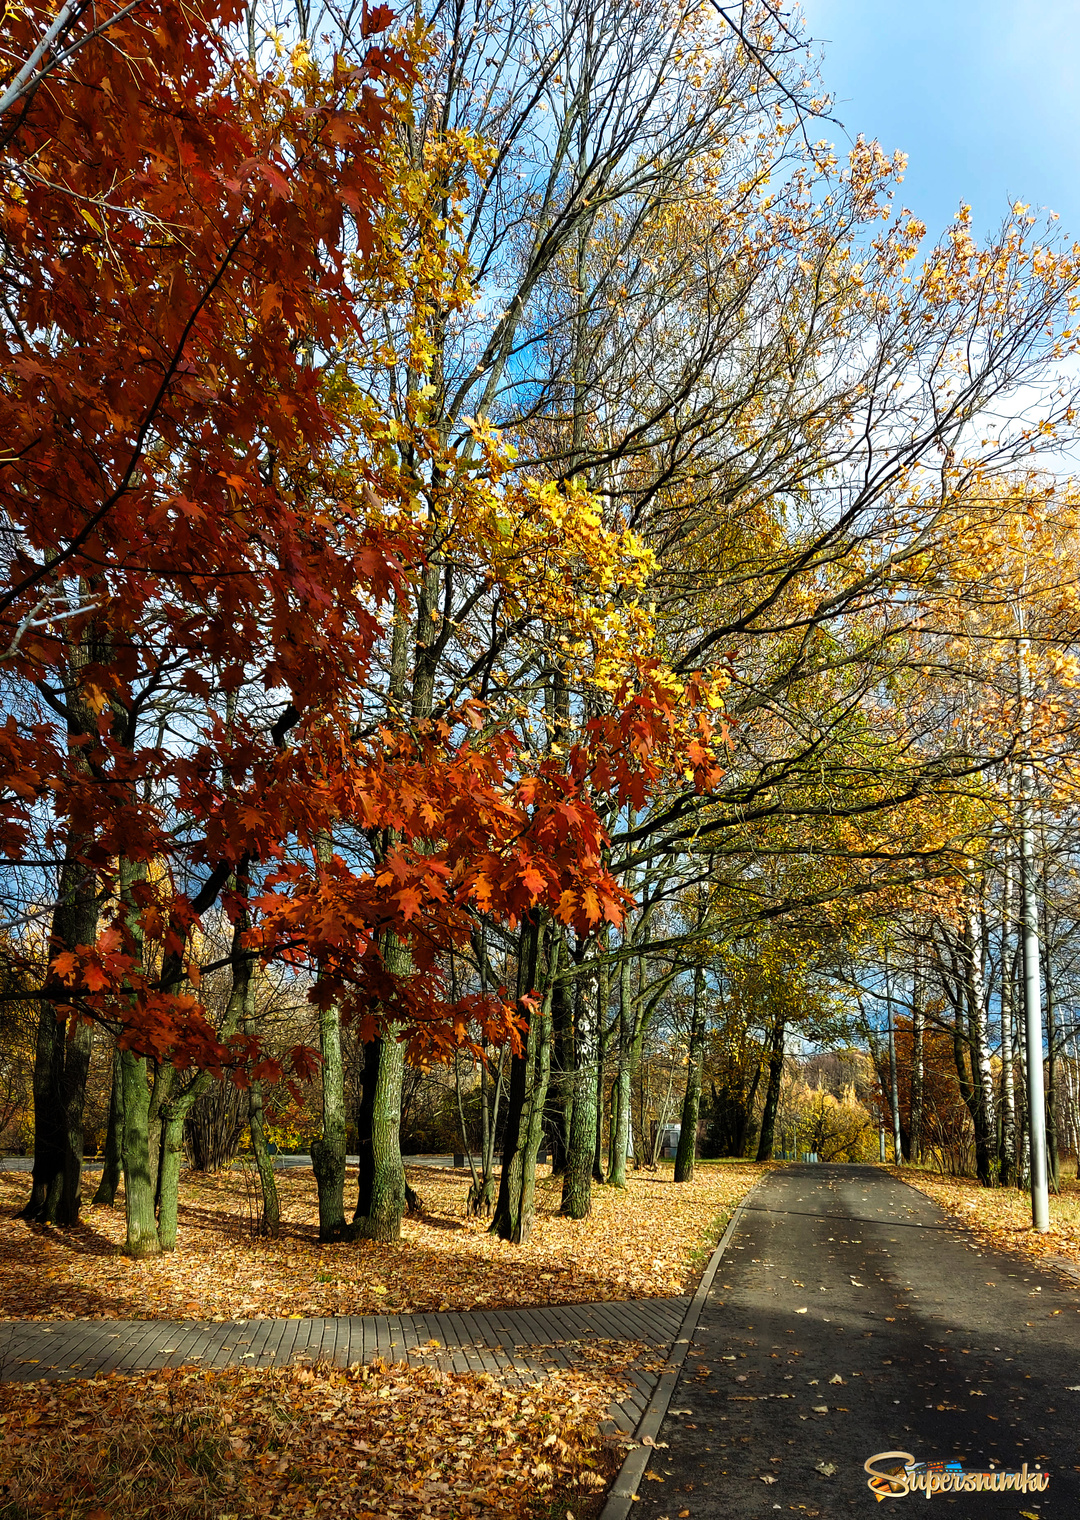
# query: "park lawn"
(646, 1241)
(1002, 1216)
(372, 1442)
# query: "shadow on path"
(850, 1317)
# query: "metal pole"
(1040, 1198)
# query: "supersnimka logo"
(895, 1474)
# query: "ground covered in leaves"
(372, 1442)
(647, 1241)
(1002, 1216)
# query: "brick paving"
(515, 1345)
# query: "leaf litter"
(1001, 1217)
(371, 1442)
(650, 1240)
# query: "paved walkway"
(849, 1317)
(515, 1344)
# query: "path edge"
(623, 1491)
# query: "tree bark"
(382, 1219)
(918, 1040)
(61, 1063)
(577, 1182)
(686, 1153)
(1053, 1160)
(47, 1177)
(603, 1040)
(772, 1092)
(365, 1119)
(1009, 1170)
(174, 1112)
(381, 1201)
(172, 1157)
(270, 1224)
(515, 1205)
(563, 1085)
(139, 1183)
(113, 1162)
(76, 1070)
(63, 1048)
(621, 1116)
(328, 1151)
(894, 1090)
(980, 1091)
(140, 1144)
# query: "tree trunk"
(772, 1092)
(329, 1150)
(563, 1085)
(63, 1052)
(174, 1113)
(621, 1117)
(76, 1070)
(603, 1040)
(918, 1026)
(61, 1063)
(686, 1153)
(113, 1161)
(577, 1182)
(636, 1147)
(515, 1205)
(1053, 1160)
(382, 1199)
(270, 1224)
(963, 1056)
(365, 1120)
(382, 1219)
(47, 1183)
(140, 1145)
(979, 1096)
(139, 1183)
(482, 1197)
(1007, 1150)
(894, 1093)
(172, 1158)
(982, 1050)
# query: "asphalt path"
(852, 1317)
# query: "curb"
(623, 1491)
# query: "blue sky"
(983, 96)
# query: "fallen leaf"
(635, 1244)
(240, 1442)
